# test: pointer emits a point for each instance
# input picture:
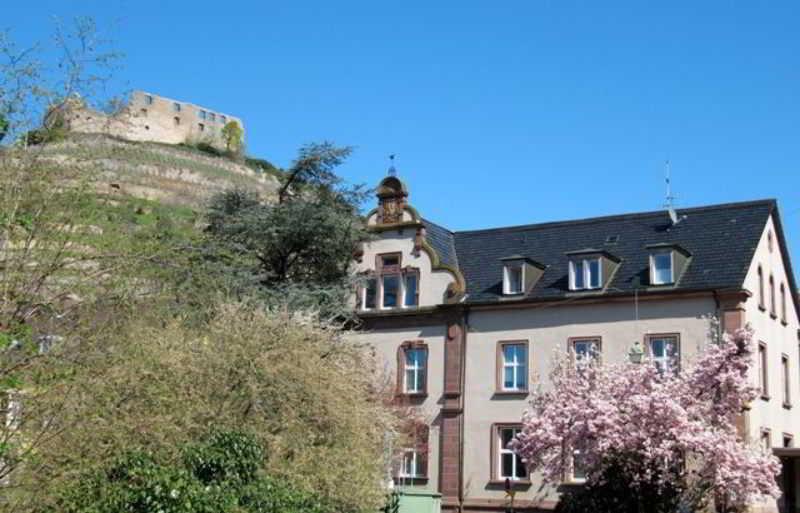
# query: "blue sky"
(500, 112)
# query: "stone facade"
(149, 117)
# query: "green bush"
(221, 474)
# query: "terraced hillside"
(169, 175)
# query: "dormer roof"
(705, 233)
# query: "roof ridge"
(614, 217)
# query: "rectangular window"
(370, 293)
(390, 285)
(390, 261)
(213, 116)
(514, 367)
(416, 360)
(410, 289)
(148, 99)
(509, 465)
(577, 275)
(201, 127)
(661, 272)
(176, 106)
(783, 304)
(787, 398)
(788, 440)
(202, 114)
(222, 118)
(578, 465)
(585, 348)
(513, 279)
(411, 466)
(664, 352)
(585, 274)
(177, 120)
(766, 441)
(763, 373)
(593, 269)
(772, 296)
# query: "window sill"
(515, 483)
(413, 395)
(419, 480)
(511, 393)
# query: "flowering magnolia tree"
(663, 433)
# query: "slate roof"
(442, 240)
(721, 239)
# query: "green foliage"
(3, 127)
(219, 475)
(612, 493)
(233, 135)
(298, 251)
(225, 457)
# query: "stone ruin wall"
(149, 117)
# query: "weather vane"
(392, 170)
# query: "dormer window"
(520, 274)
(513, 278)
(661, 269)
(668, 261)
(585, 273)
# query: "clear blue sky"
(500, 112)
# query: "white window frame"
(665, 363)
(364, 294)
(404, 276)
(515, 460)
(418, 368)
(507, 269)
(593, 348)
(654, 274)
(519, 368)
(586, 271)
(415, 460)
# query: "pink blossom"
(657, 419)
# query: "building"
(465, 319)
(149, 117)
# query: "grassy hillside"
(176, 176)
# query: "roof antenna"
(392, 170)
(669, 200)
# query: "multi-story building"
(149, 117)
(469, 322)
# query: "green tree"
(3, 127)
(232, 134)
(299, 249)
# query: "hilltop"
(175, 175)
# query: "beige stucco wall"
(386, 344)
(432, 283)
(780, 339)
(547, 330)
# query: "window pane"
(594, 274)
(662, 268)
(515, 279)
(390, 260)
(657, 347)
(411, 380)
(508, 379)
(370, 292)
(578, 275)
(506, 435)
(390, 285)
(522, 472)
(509, 353)
(411, 290)
(507, 465)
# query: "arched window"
(761, 288)
(771, 295)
